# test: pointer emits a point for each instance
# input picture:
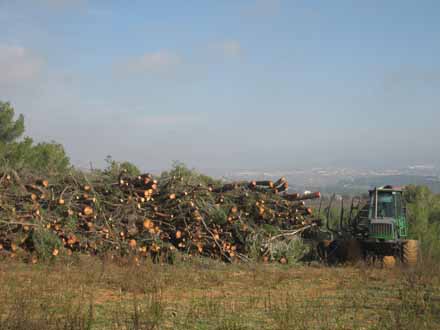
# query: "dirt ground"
(88, 293)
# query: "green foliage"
(70, 224)
(10, 129)
(186, 175)
(294, 249)
(114, 168)
(47, 157)
(15, 154)
(424, 218)
(45, 242)
(218, 215)
(130, 168)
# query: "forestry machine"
(375, 229)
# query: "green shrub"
(187, 176)
(293, 250)
(114, 168)
(45, 242)
(424, 219)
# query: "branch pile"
(104, 214)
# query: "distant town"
(345, 180)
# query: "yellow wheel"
(389, 262)
(411, 252)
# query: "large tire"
(411, 251)
(323, 249)
(340, 251)
(353, 251)
(389, 261)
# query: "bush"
(114, 168)
(294, 250)
(186, 175)
(424, 219)
(45, 242)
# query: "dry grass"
(202, 294)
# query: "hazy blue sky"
(272, 84)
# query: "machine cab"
(387, 219)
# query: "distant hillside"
(364, 183)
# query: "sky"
(227, 84)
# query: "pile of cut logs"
(141, 216)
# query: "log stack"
(143, 216)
